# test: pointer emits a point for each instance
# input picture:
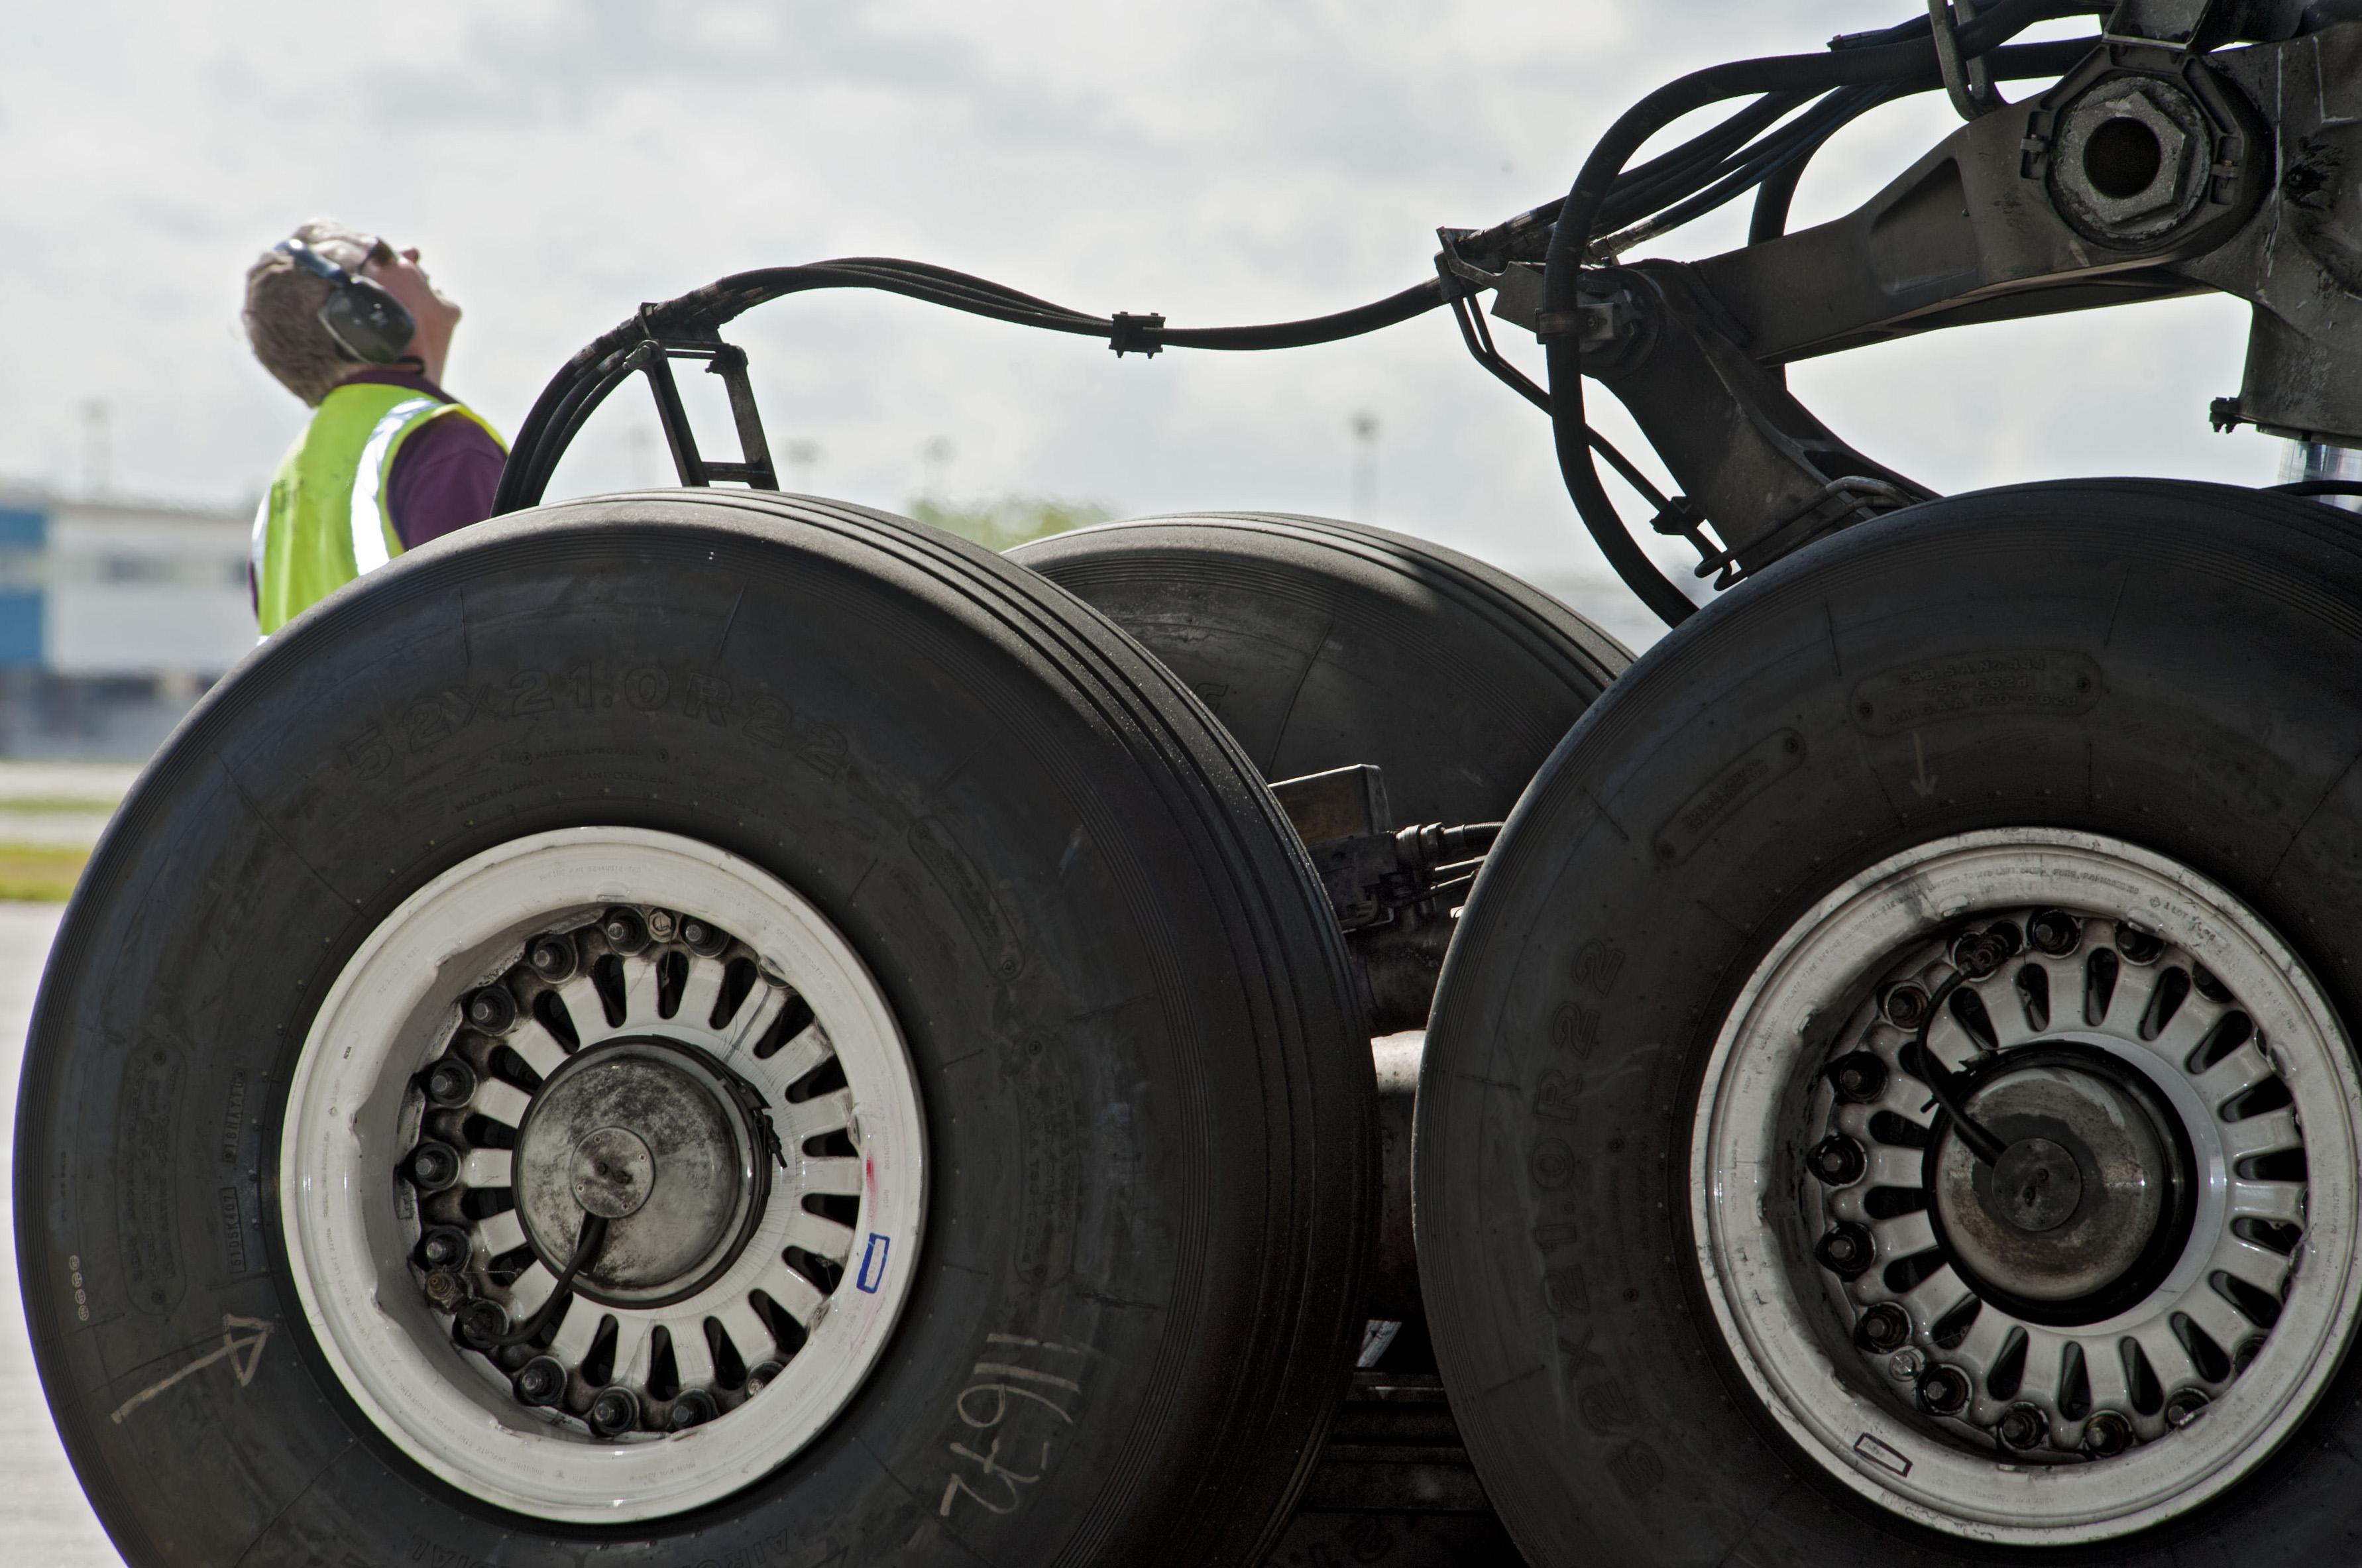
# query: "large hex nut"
(2103, 143)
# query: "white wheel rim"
(351, 1221)
(1756, 1211)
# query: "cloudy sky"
(1219, 161)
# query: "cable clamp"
(1129, 333)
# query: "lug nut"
(2005, 938)
(2244, 1355)
(693, 1408)
(1846, 1250)
(541, 1381)
(624, 931)
(1883, 1328)
(482, 1324)
(551, 957)
(1905, 1364)
(445, 1246)
(614, 1410)
(1943, 1390)
(660, 924)
(702, 937)
(492, 1011)
(1977, 955)
(433, 1166)
(1859, 1077)
(2138, 946)
(1905, 1006)
(2054, 932)
(1838, 1160)
(762, 1377)
(2106, 1434)
(445, 1289)
(2023, 1427)
(450, 1082)
(2185, 1407)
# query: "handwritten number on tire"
(984, 1404)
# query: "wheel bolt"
(1846, 1250)
(2005, 938)
(2245, 1356)
(1883, 1328)
(614, 1410)
(492, 1010)
(762, 1377)
(624, 931)
(2137, 946)
(2054, 932)
(1977, 955)
(450, 1082)
(1905, 1006)
(2185, 1407)
(1943, 1390)
(2023, 1427)
(445, 1289)
(702, 937)
(482, 1323)
(541, 1381)
(551, 957)
(660, 924)
(445, 1246)
(1905, 1364)
(693, 1408)
(1838, 1160)
(1859, 1077)
(433, 1166)
(2106, 1434)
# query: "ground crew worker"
(354, 328)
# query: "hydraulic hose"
(1903, 67)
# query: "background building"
(114, 617)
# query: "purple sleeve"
(443, 480)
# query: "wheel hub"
(655, 1138)
(2089, 1200)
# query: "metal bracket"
(654, 358)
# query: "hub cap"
(2135, 1291)
(602, 1176)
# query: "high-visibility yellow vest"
(324, 521)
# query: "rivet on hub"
(482, 1323)
(702, 937)
(445, 1289)
(492, 1011)
(445, 1246)
(450, 1082)
(1885, 1327)
(614, 1410)
(762, 1377)
(551, 957)
(2023, 1427)
(1905, 1006)
(2054, 932)
(660, 924)
(2106, 1434)
(2185, 1407)
(1846, 1250)
(2138, 946)
(1859, 1077)
(693, 1408)
(433, 1166)
(624, 931)
(1943, 1390)
(541, 1381)
(1838, 1160)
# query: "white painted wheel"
(2106, 1360)
(630, 1023)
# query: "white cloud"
(1217, 160)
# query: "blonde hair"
(283, 311)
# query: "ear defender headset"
(367, 322)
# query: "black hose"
(587, 1241)
(1899, 67)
